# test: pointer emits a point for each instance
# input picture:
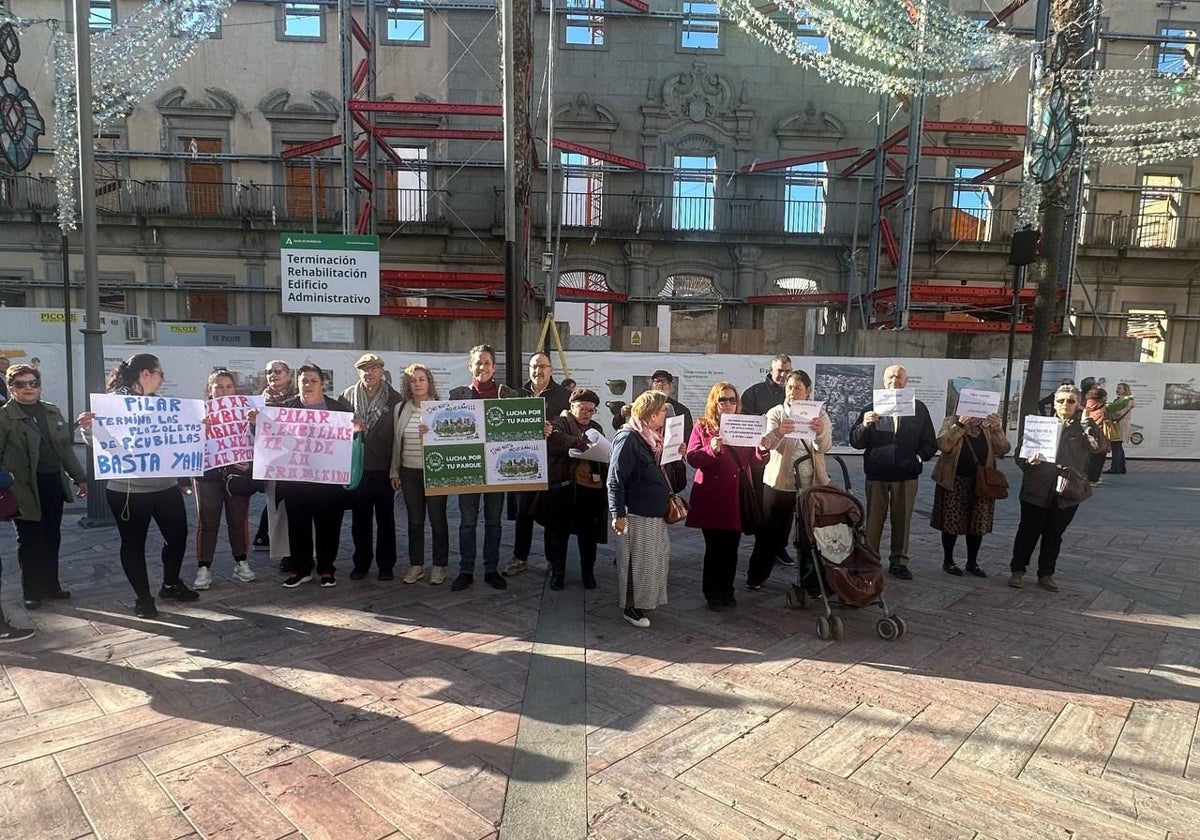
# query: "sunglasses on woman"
(26, 383)
(727, 400)
(1068, 401)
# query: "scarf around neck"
(370, 409)
(489, 390)
(653, 439)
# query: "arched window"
(689, 286)
(797, 285)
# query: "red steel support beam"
(310, 148)
(640, 5)
(996, 170)
(892, 197)
(360, 74)
(383, 107)
(960, 152)
(964, 127)
(1005, 13)
(895, 168)
(363, 181)
(573, 293)
(784, 163)
(359, 35)
(364, 218)
(599, 154)
(898, 137)
(438, 133)
(414, 279)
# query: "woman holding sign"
(135, 502)
(213, 495)
(575, 501)
(408, 476)
(967, 444)
(313, 507)
(717, 495)
(1050, 492)
(779, 479)
(35, 447)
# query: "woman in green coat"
(35, 446)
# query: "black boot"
(588, 573)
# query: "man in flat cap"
(373, 502)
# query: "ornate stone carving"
(696, 95)
(217, 103)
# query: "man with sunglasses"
(895, 451)
(37, 453)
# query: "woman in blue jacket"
(637, 501)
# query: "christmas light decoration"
(127, 62)
(879, 43)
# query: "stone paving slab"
(380, 710)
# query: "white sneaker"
(243, 572)
(203, 578)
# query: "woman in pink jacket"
(714, 499)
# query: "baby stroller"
(834, 558)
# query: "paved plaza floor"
(384, 710)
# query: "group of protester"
(632, 492)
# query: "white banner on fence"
(147, 437)
(303, 444)
(1164, 420)
(230, 439)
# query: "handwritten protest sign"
(895, 402)
(230, 439)
(147, 437)
(484, 446)
(303, 444)
(972, 403)
(803, 413)
(743, 429)
(1041, 436)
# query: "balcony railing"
(612, 214)
(1114, 230)
(640, 214)
(194, 199)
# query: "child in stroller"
(831, 545)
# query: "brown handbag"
(677, 506)
(990, 483)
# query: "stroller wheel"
(901, 625)
(824, 631)
(837, 627)
(887, 629)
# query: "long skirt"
(961, 511)
(645, 553)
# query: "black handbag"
(749, 499)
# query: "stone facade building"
(193, 192)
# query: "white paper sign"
(743, 429)
(600, 450)
(147, 437)
(972, 403)
(803, 413)
(895, 402)
(230, 439)
(303, 444)
(1041, 436)
(672, 439)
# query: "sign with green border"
(484, 446)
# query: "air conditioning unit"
(139, 330)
